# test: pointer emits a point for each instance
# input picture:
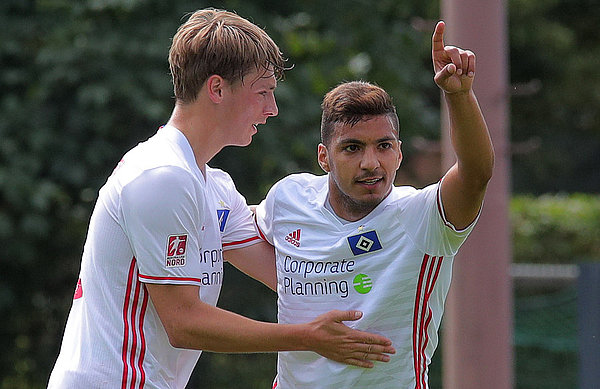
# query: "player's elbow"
(192, 339)
(178, 338)
(482, 172)
(488, 170)
(479, 182)
(475, 177)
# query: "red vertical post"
(477, 328)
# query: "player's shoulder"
(406, 194)
(136, 165)
(301, 184)
(218, 175)
(403, 192)
(221, 183)
(154, 153)
(303, 179)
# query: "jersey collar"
(174, 136)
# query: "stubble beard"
(356, 208)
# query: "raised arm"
(464, 185)
(193, 324)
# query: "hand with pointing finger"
(454, 67)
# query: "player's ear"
(215, 85)
(323, 157)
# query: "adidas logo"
(294, 238)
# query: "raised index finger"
(437, 41)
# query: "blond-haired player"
(164, 222)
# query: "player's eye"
(351, 148)
(386, 145)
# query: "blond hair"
(214, 41)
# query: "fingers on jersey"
(341, 343)
(366, 353)
(346, 315)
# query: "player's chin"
(370, 200)
(375, 192)
(243, 142)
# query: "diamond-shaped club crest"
(364, 244)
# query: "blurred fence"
(545, 338)
(546, 328)
(556, 328)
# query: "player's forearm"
(470, 138)
(193, 324)
(217, 330)
(212, 329)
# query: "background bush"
(82, 81)
(557, 228)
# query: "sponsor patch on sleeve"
(176, 247)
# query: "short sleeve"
(237, 224)
(162, 212)
(264, 215)
(425, 221)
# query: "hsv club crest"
(367, 242)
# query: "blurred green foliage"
(83, 81)
(556, 228)
(555, 121)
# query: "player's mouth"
(255, 125)
(370, 181)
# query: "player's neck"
(347, 209)
(200, 131)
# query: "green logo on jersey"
(362, 283)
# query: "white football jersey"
(157, 220)
(394, 265)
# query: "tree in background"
(84, 81)
(554, 47)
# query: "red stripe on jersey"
(126, 324)
(241, 241)
(154, 278)
(260, 233)
(143, 338)
(422, 316)
(415, 334)
(424, 323)
(437, 264)
(134, 312)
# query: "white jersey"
(157, 220)
(394, 265)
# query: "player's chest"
(365, 244)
